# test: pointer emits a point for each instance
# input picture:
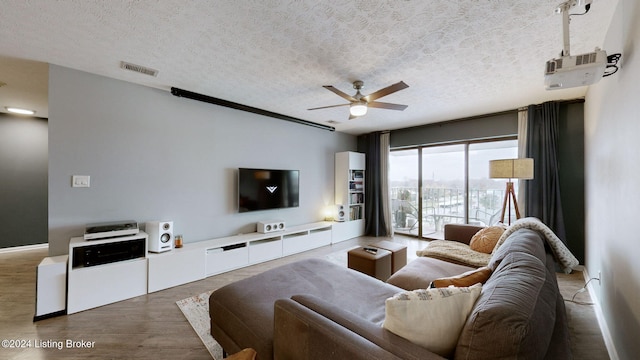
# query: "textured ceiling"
(460, 58)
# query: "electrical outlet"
(600, 278)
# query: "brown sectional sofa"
(314, 309)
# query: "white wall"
(612, 146)
(154, 156)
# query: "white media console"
(91, 283)
(196, 261)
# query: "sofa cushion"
(420, 272)
(523, 240)
(485, 240)
(242, 312)
(472, 277)
(515, 314)
(431, 318)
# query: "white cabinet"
(95, 278)
(51, 287)
(306, 238)
(350, 192)
(176, 267)
(265, 249)
(225, 258)
(195, 261)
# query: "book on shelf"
(357, 198)
(355, 213)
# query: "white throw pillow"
(432, 318)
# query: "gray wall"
(154, 156)
(23, 180)
(612, 150)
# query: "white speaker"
(270, 226)
(160, 235)
(340, 213)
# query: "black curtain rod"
(230, 104)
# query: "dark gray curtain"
(543, 192)
(374, 214)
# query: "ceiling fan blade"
(339, 93)
(383, 105)
(385, 91)
(327, 107)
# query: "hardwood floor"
(152, 327)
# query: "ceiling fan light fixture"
(358, 108)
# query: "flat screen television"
(264, 189)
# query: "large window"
(436, 185)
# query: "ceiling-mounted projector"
(579, 70)
(569, 71)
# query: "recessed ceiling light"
(20, 111)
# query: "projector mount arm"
(564, 10)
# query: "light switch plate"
(80, 181)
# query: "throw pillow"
(485, 240)
(468, 278)
(432, 318)
(244, 354)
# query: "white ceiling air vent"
(138, 68)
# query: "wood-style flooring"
(152, 326)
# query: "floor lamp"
(510, 169)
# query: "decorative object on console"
(510, 169)
(160, 235)
(178, 241)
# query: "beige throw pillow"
(480, 275)
(432, 318)
(485, 240)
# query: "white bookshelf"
(350, 192)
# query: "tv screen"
(263, 189)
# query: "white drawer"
(226, 258)
(265, 249)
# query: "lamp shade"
(358, 108)
(511, 168)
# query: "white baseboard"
(24, 248)
(604, 328)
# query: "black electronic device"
(110, 229)
(263, 189)
(105, 253)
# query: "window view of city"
(436, 185)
